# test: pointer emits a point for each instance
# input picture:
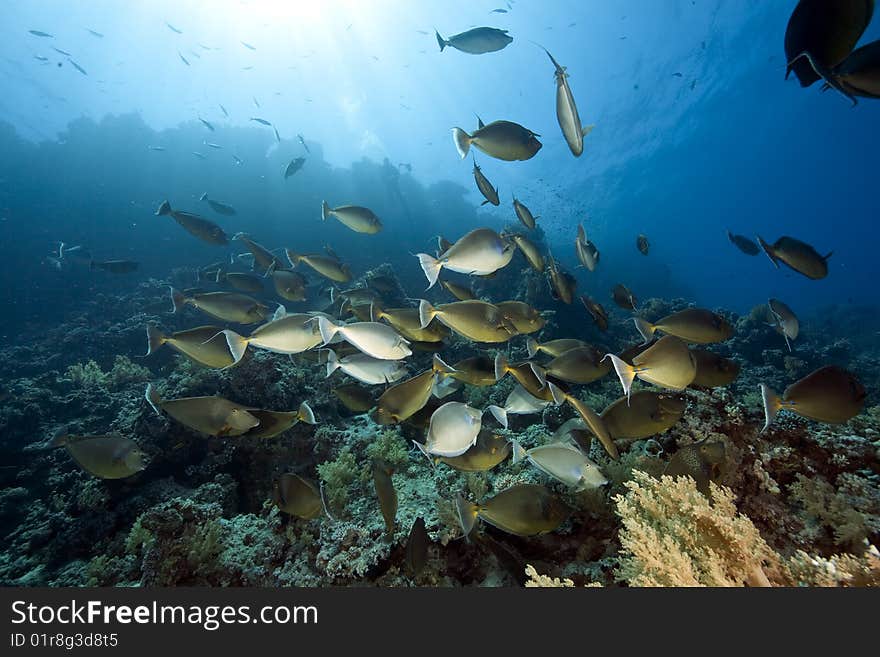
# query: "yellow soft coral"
(673, 536)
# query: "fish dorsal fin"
(480, 123)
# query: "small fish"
(225, 113)
(477, 41)
(406, 398)
(668, 363)
(522, 316)
(518, 402)
(553, 348)
(248, 46)
(530, 251)
(355, 397)
(40, 58)
(256, 102)
(303, 142)
(274, 423)
(182, 58)
(77, 66)
(199, 227)
(702, 461)
(503, 140)
(623, 297)
(644, 414)
(213, 416)
(239, 281)
(297, 496)
(289, 285)
(562, 284)
(522, 510)
(114, 266)
(524, 214)
(416, 555)
(859, 74)
(295, 165)
(202, 345)
(41, 34)
(597, 312)
(237, 160)
(693, 325)
(490, 449)
(475, 320)
(225, 306)
(713, 371)
(259, 120)
(156, 148)
(285, 334)
(480, 252)
(372, 338)
(213, 145)
(172, 28)
(784, 320)
(564, 463)
(277, 136)
(366, 369)
(61, 52)
(798, 255)
(386, 493)
(476, 371)
(95, 34)
(580, 365)
(217, 206)
(460, 292)
(587, 253)
(566, 111)
(829, 394)
(107, 457)
(326, 266)
(489, 192)
(453, 429)
(355, 217)
(201, 156)
(206, 124)
(642, 244)
(744, 244)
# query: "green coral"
(337, 475)
(391, 447)
(86, 375)
(124, 373)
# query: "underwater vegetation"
(377, 387)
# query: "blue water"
(727, 144)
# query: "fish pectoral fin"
(587, 129)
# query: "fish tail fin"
(431, 266)
(440, 41)
(441, 367)
(164, 208)
(332, 362)
(467, 514)
(499, 414)
(292, 257)
(625, 372)
(61, 438)
(426, 313)
(768, 250)
(462, 142)
(557, 393)
(237, 344)
(155, 339)
(325, 210)
(306, 414)
(501, 366)
(204, 197)
(645, 328)
(178, 301)
(153, 398)
(532, 347)
(327, 328)
(517, 452)
(772, 404)
(830, 253)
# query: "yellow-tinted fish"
(553, 348)
(285, 334)
(523, 510)
(366, 369)
(241, 282)
(519, 402)
(702, 461)
(108, 457)
(504, 140)
(829, 394)
(646, 413)
(713, 371)
(744, 244)
(530, 251)
(289, 285)
(296, 496)
(403, 399)
(197, 226)
(476, 371)
(694, 325)
(114, 266)
(562, 284)
(407, 322)
(564, 463)
(490, 449)
(359, 219)
(594, 423)
(524, 214)
(784, 320)
(587, 253)
(475, 320)
(579, 365)
(859, 74)
(489, 192)
(460, 292)
(597, 312)
(566, 111)
(386, 493)
(667, 363)
(264, 259)
(798, 255)
(204, 345)
(623, 297)
(527, 374)
(524, 318)
(326, 266)
(213, 416)
(226, 306)
(354, 397)
(480, 252)
(417, 548)
(273, 423)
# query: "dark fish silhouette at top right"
(821, 36)
(798, 255)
